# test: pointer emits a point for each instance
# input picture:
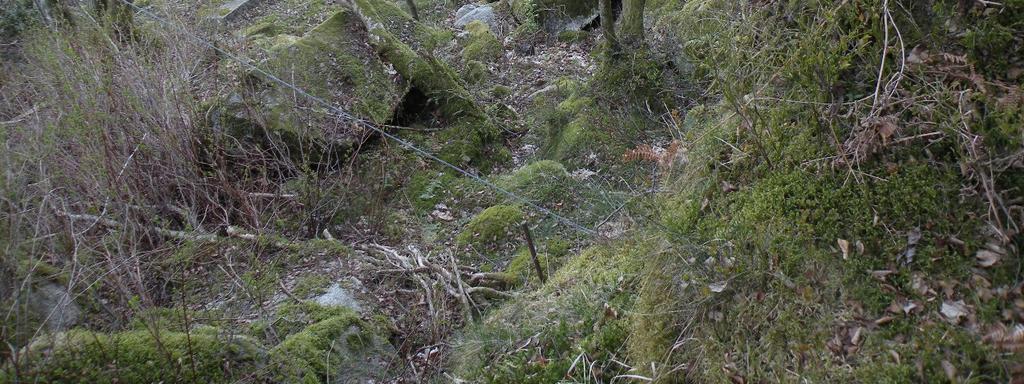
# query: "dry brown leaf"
(954, 310)
(987, 258)
(844, 246)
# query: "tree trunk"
(608, 24)
(412, 9)
(632, 26)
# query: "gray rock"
(482, 13)
(230, 10)
(52, 303)
(463, 10)
(338, 296)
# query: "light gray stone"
(338, 296)
(483, 13)
(52, 303)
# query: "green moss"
(311, 285)
(336, 346)
(492, 229)
(142, 356)
(427, 189)
(268, 28)
(548, 13)
(572, 36)
(472, 138)
(500, 91)
(475, 72)
(544, 182)
(334, 50)
(481, 45)
(581, 310)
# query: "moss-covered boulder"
(332, 62)
(494, 231)
(481, 44)
(408, 46)
(205, 354)
(544, 182)
(338, 347)
(539, 336)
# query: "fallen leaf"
(844, 246)
(718, 287)
(987, 258)
(954, 310)
(907, 257)
(886, 128)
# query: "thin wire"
(344, 114)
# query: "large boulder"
(54, 305)
(472, 138)
(475, 12)
(332, 62)
(556, 16)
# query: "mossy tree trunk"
(632, 24)
(608, 24)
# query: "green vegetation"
(492, 230)
(819, 191)
(206, 355)
(481, 45)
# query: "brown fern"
(642, 153)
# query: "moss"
(572, 36)
(551, 13)
(492, 226)
(501, 91)
(475, 72)
(268, 28)
(142, 356)
(579, 311)
(429, 188)
(544, 182)
(472, 138)
(481, 45)
(311, 285)
(336, 46)
(336, 346)
(472, 142)
(521, 270)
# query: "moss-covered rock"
(337, 347)
(332, 62)
(475, 72)
(481, 45)
(543, 182)
(581, 310)
(492, 230)
(141, 356)
(475, 140)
